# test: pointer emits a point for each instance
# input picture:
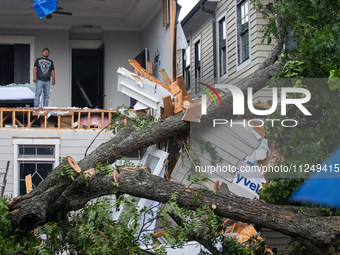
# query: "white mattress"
(16, 93)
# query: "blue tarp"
(45, 7)
(323, 187)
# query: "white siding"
(258, 51)
(72, 143)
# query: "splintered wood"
(168, 109)
(178, 102)
(139, 70)
(28, 181)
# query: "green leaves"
(121, 119)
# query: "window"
(37, 169)
(243, 35)
(186, 66)
(222, 45)
(198, 69)
(37, 157)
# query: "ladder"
(3, 184)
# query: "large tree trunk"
(306, 225)
(39, 206)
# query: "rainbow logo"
(208, 92)
(204, 98)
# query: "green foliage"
(121, 119)
(278, 191)
(65, 169)
(314, 29)
(334, 81)
(90, 231)
(190, 151)
(255, 247)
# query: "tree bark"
(306, 225)
(39, 206)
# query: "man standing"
(43, 68)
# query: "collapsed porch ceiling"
(127, 15)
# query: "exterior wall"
(58, 43)
(276, 240)
(257, 54)
(119, 47)
(156, 38)
(72, 143)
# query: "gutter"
(191, 14)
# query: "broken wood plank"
(217, 185)
(224, 189)
(167, 175)
(232, 230)
(165, 10)
(159, 234)
(175, 88)
(149, 67)
(261, 106)
(165, 77)
(28, 181)
(187, 98)
(143, 73)
(178, 103)
(168, 109)
(181, 84)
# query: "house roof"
(196, 17)
(127, 15)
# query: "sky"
(187, 5)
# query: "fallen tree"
(24, 212)
(61, 193)
(307, 225)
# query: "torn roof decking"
(141, 89)
(231, 143)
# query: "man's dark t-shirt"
(44, 67)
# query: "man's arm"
(53, 77)
(35, 74)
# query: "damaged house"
(220, 43)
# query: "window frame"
(197, 40)
(32, 142)
(220, 17)
(186, 68)
(240, 65)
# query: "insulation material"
(128, 74)
(181, 39)
(95, 121)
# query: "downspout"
(214, 35)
